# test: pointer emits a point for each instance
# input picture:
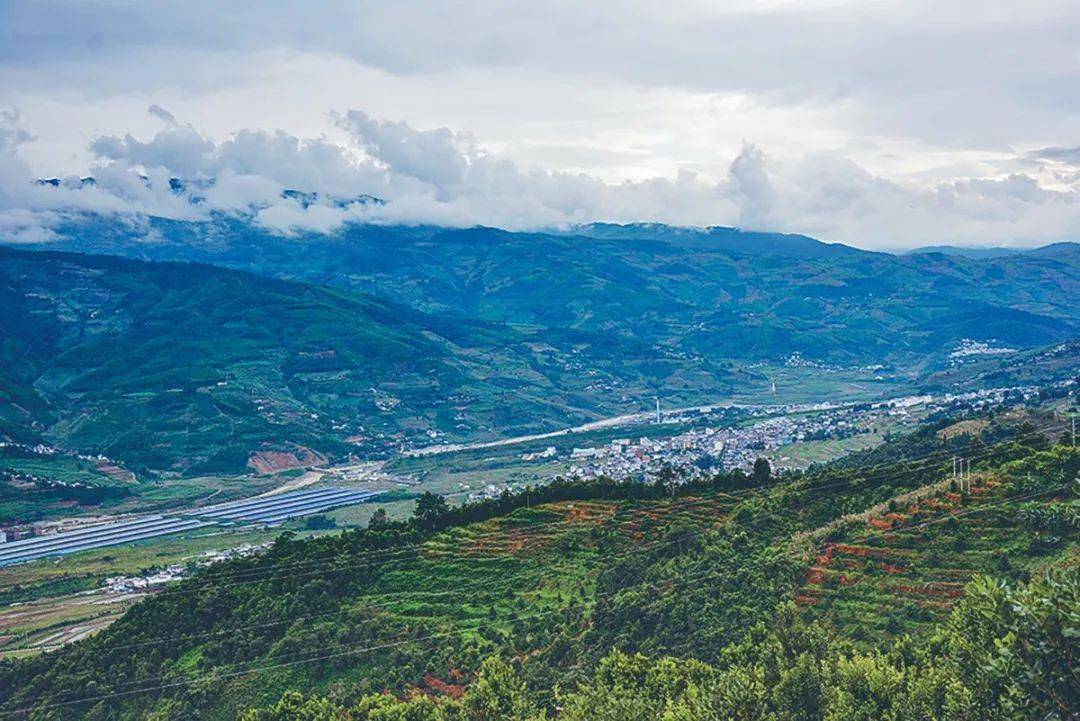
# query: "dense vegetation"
(905, 565)
(193, 368)
(711, 295)
(180, 367)
(606, 600)
(1006, 652)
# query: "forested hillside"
(181, 367)
(192, 368)
(623, 601)
(716, 293)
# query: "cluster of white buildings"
(152, 580)
(492, 491)
(702, 451)
(968, 348)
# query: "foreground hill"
(554, 588)
(715, 294)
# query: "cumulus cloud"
(179, 148)
(12, 168)
(445, 177)
(18, 223)
(434, 157)
(751, 184)
(877, 123)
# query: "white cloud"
(875, 122)
(178, 148)
(751, 185)
(434, 156)
(442, 176)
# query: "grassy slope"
(180, 367)
(191, 368)
(469, 585)
(559, 583)
(35, 486)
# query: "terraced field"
(540, 558)
(467, 590)
(902, 570)
(406, 608)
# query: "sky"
(876, 123)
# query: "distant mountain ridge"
(718, 238)
(711, 292)
(708, 237)
(1064, 246)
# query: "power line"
(889, 469)
(413, 551)
(687, 504)
(658, 586)
(323, 657)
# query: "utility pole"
(657, 410)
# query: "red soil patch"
(532, 539)
(274, 461)
(433, 685)
(510, 542)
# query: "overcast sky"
(880, 124)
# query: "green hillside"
(188, 368)
(555, 587)
(717, 294)
(191, 368)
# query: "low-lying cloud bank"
(444, 177)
